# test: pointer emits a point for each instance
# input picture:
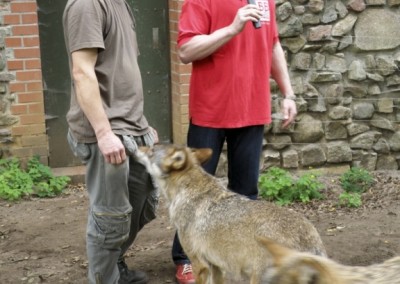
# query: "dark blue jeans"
(244, 147)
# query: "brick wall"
(180, 76)
(26, 136)
(19, 25)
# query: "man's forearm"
(88, 95)
(201, 46)
(279, 70)
(87, 90)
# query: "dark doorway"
(152, 28)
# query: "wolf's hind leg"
(203, 275)
(201, 270)
(217, 276)
(255, 279)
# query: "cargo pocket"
(150, 207)
(80, 150)
(110, 230)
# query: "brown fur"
(295, 267)
(217, 228)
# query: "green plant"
(277, 185)
(356, 180)
(45, 183)
(14, 183)
(350, 199)
(309, 187)
(37, 179)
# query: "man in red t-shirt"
(229, 98)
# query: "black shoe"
(127, 276)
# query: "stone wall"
(6, 99)
(344, 61)
(343, 56)
(22, 119)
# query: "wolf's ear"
(144, 149)
(277, 251)
(306, 269)
(141, 154)
(294, 267)
(177, 160)
(202, 154)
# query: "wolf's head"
(163, 159)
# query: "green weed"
(37, 180)
(278, 185)
(354, 182)
(350, 199)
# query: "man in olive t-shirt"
(106, 122)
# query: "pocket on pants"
(80, 150)
(110, 230)
(150, 207)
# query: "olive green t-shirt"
(109, 26)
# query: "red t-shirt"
(230, 88)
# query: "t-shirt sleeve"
(194, 20)
(84, 20)
(274, 27)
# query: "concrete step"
(76, 173)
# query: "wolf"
(221, 231)
(294, 267)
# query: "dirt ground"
(43, 240)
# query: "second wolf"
(220, 230)
(294, 267)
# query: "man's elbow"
(184, 56)
(78, 74)
(81, 74)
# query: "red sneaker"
(184, 274)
